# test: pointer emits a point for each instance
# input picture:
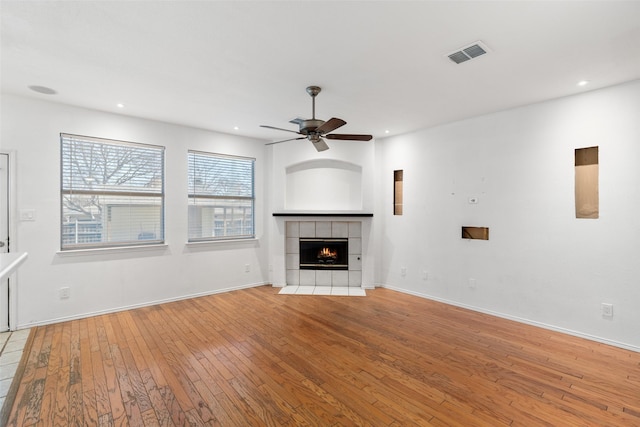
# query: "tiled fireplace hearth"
(350, 276)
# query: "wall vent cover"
(468, 52)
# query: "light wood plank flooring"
(256, 358)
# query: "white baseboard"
(132, 306)
(518, 319)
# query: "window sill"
(223, 241)
(120, 249)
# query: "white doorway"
(4, 238)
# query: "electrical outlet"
(247, 268)
(472, 283)
(425, 275)
(607, 310)
(403, 271)
(65, 292)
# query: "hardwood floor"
(255, 358)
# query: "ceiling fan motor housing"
(309, 126)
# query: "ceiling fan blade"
(320, 145)
(329, 125)
(275, 128)
(349, 137)
(285, 140)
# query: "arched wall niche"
(323, 185)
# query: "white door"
(4, 238)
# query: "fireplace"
(346, 270)
(324, 254)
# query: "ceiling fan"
(315, 129)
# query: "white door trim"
(13, 247)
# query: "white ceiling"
(382, 64)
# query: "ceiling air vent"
(468, 52)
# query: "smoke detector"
(468, 52)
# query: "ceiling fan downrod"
(313, 91)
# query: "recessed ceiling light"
(119, 105)
(583, 82)
(236, 128)
(386, 131)
(43, 89)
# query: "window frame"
(193, 195)
(156, 194)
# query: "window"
(221, 197)
(112, 193)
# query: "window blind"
(112, 193)
(221, 196)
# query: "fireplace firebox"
(324, 254)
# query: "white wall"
(541, 264)
(337, 167)
(115, 279)
(323, 184)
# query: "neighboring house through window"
(221, 197)
(112, 193)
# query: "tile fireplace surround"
(323, 229)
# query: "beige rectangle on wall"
(398, 192)
(477, 233)
(586, 186)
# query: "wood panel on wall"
(587, 194)
(478, 233)
(397, 192)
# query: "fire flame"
(327, 253)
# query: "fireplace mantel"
(325, 214)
